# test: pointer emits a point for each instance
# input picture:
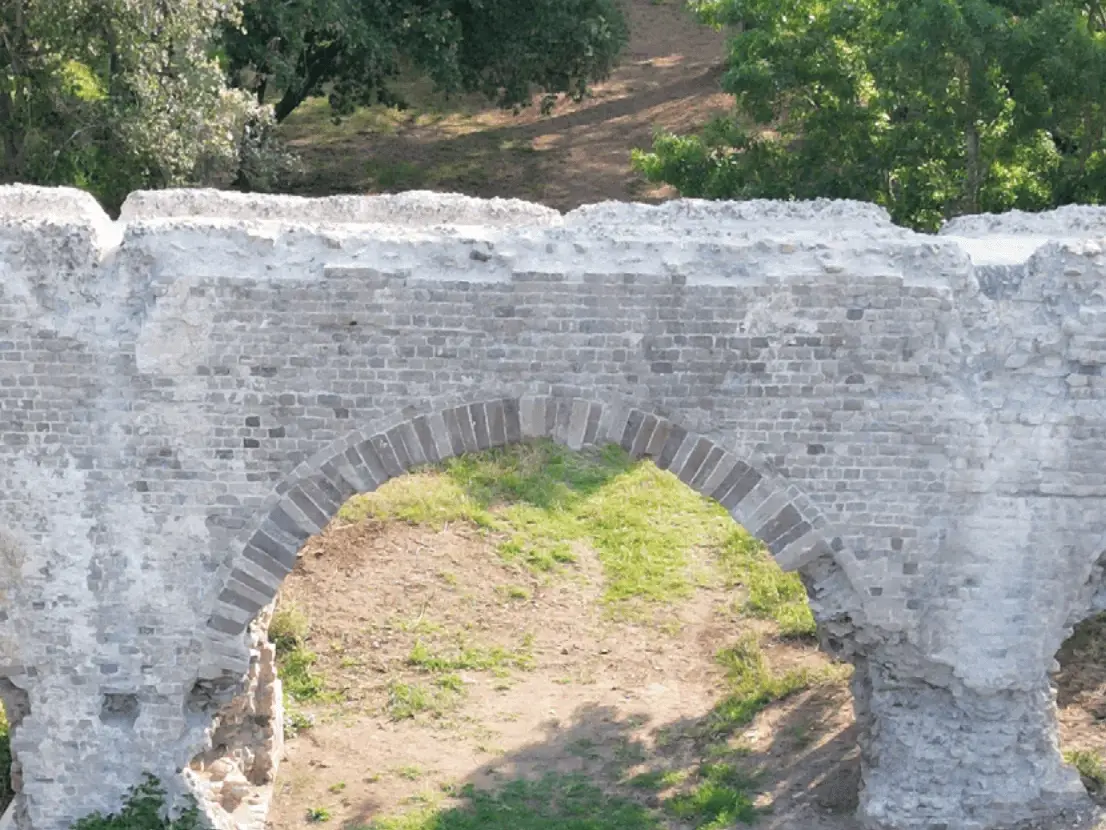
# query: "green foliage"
(419, 498)
(353, 50)
(6, 792)
(931, 108)
(407, 700)
(288, 631)
(657, 779)
(752, 686)
(144, 810)
(1090, 767)
(470, 657)
(300, 682)
(554, 803)
(720, 798)
(288, 628)
(772, 594)
(115, 95)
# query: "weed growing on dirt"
(406, 700)
(516, 592)
(472, 658)
(288, 632)
(658, 779)
(1090, 767)
(288, 628)
(553, 803)
(752, 686)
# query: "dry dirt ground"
(577, 690)
(579, 154)
(596, 695)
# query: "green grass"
(721, 796)
(423, 498)
(658, 779)
(751, 686)
(772, 594)
(288, 632)
(554, 803)
(643, 523)
(472, 658)
(1090, 766)
(408, 700)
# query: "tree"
(113, 95)
(932, 108)
(353, 49)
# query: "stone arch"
(767, 505)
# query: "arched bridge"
(916, 424)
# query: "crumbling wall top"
(412, 209)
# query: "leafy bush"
(115, 96)
(144, 810)
(931, 108)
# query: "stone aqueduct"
(916, 424)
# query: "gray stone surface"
(187, 395)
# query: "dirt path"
(577, 155)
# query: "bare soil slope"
(576, 692)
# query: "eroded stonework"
(916, 424)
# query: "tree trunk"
(973, 164)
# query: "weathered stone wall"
(188, 394)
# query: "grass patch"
(1090, 767)
(408, 700)
(721, 796)
(288, 628)
(517, 592)
(423, 498)
(554, 803)
(288, 631)
(6, 792)
(752, 686)
(772, 594)
(657, 780)
(543, 499)
(472, 658)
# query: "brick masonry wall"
(189, 393)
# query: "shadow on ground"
(602, 771)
